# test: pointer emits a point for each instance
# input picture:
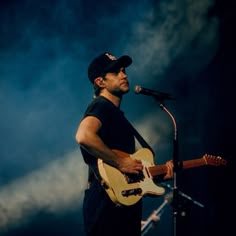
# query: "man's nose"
(123, 74)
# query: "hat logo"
(111, 57)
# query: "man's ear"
(99, 82)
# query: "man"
(103, 129)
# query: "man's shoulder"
(100, 101)
(100, 107)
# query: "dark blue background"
(186, 48)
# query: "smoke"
(58, 186)
(55, 188)
(172, 30)
(153, 127)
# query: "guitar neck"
(161, 169)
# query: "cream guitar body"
(127, 189)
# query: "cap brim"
(123, 61)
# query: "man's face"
(116, 82)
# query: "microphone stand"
(156, 214)
(176, 164)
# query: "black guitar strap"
(140, 139)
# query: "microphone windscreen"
(137, 89)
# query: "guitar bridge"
(136, 191)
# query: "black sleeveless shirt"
(115, 132)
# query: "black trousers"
(103, 218)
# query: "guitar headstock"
(214, 160)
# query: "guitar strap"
(140, 139)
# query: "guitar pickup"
(134, 178)
(136, 191)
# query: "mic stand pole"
(176, 164)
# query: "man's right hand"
(129, 165)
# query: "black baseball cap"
(106, 62)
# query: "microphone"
(149, 92)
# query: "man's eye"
(117, 71)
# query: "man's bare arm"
(87, 137)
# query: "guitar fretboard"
(161, 169)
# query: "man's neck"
(111, 97)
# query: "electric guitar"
(128, 189)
